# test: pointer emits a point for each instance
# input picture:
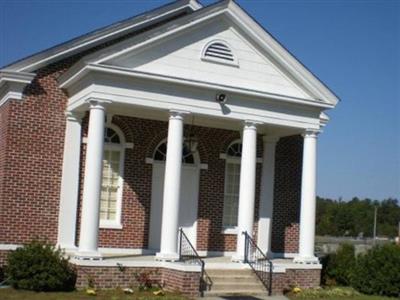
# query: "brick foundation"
(303, 278)
(186, 283)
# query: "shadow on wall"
(287, 195)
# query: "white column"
(172, 186)
(70, 182)
(308, 199)
(88, 240)
(267, 195)
(247, 187)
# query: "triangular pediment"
(242, 55)
(182, 56)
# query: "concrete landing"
(253, 297)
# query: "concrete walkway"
(254, 297)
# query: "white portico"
(268, 93)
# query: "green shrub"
(378, 271)
(326, 293)
(338, 266)
(40, 267)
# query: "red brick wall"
(4, 113)
(304, 278)
(31, 184)
(38, 195)
(30, 171)
(287, 193)
(186, 283)
(146, 135)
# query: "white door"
(188, 203)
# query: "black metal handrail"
(258, 261)
(188, 254)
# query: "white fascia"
(12, 84)
(193, 4)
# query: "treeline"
(356, 217)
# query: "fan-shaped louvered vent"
(219, 52)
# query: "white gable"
(181, 57)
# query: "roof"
(102, 35)
(186, 13)
(237, 15)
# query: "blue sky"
(353, 46)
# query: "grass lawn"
(334, 294)
(359, 297)
(12, 294)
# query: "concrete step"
(234, 293)
(228, 273)
(234, 279)
(234, 283)
(233, 287)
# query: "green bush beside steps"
(376, 272)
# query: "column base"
(310, 260)
(166, 256)
(67, 248)
(237, 258)
(88, 255)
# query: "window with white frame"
(161, 153)
(232, 182)
(111, 189)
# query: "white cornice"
(12, 85)
(324, 119)
(66, 82)
(17, 77)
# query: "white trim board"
(9, 246)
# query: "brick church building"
(186, 124)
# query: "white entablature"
(165, 68)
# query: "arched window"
(235, 150)
(161, 153)
(111, 136)
(232, 183)
(220, 52)
(111, 189)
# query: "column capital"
(97, 103)
(74, 116)
(175, 114)
(250, 124)
(270, 139)
(311, 133)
